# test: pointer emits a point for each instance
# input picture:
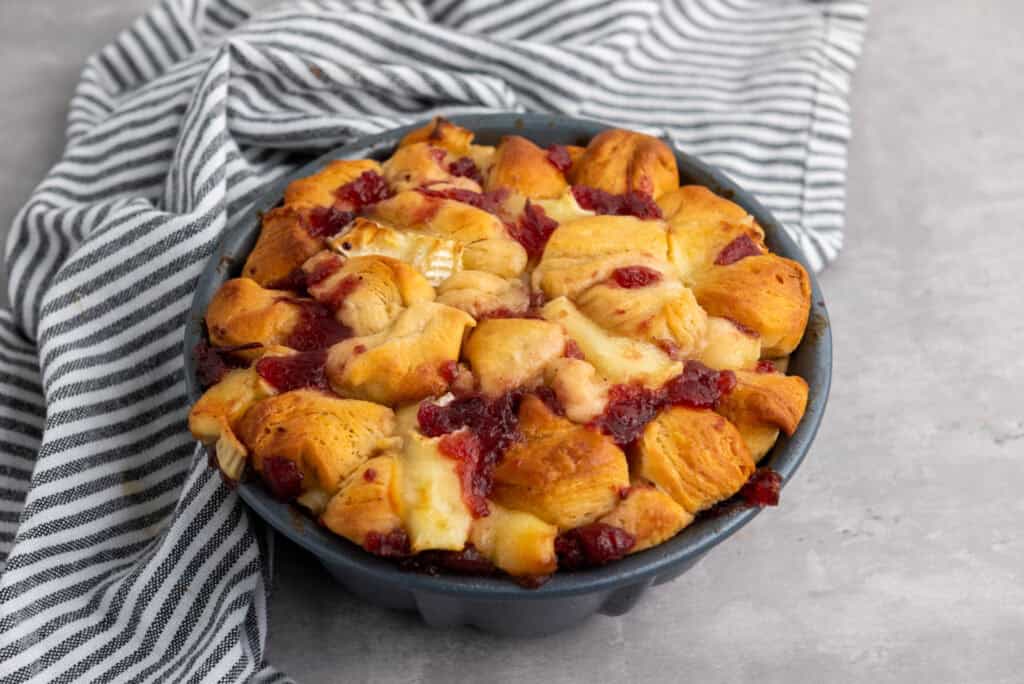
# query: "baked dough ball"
(438, 216)
(763, 403)
(725, 346)
(621, 360)
(441, 132)
(369, 501)
(580, 390)
(282, 247)
(701, 225)
(506, 353)
(501, 256)
(243, 313)
(366, 293)
(649, 514)
(318, 190)
(479, 293)
(565, 474)
(696, 456)
(413, 166)
(410, 360)
(519, 543)
(524, 168)
(619, 161)
(564, 208)
(768, 294)
(433, 507)
(326, 438)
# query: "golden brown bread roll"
(366, 293)
(519, 543)
(445, 218)
(565, 474)
(619, 161)
(763, 403)
(648, 514)
(696, 456)
(768, 294)
(282, 247)
(523, 167)
(318, 190)
(419, 164)
(479, 293)
(369, 501)
(413, 359)
(506, 353)
(441, 132)
(243, 313)
(325, 437)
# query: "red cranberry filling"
(370, 475)
(490, 202)
(592, 545)
(283, 477)
(327, 221)
(438, 154)
(213, 363)
(394, 544)
(740, 248)
(465, 167)
(635, 276)
(368, 189)
(533, 229)
(765, 366)
(632, 203)
(631, 407)
(469, 561)
(448, 370)
(464, 448)
(296, 280)
(286, 373)
(323, 270)
(762, 489)
(550, 399)
(340, 292)
(560, 158)
(572, 350)
(316, 329)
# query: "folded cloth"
(127, 559)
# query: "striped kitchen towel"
(126, 558)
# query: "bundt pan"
(499, 605)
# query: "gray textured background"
(897, 554)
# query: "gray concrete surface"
(898, 552)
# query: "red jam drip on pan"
(283, 477)
(631, 407)
(298, 371)
(560, 158)
(592, 545)
(469, 561)
(635, 276)
(533, 229)
(394, 544)
(327, 221)
(463, 447)
(630, 204)
(490, 202)
(740, 248)
(464, 167)
(762, 489)
(368, 189)
(316, 329)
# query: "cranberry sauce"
(631, 407)
(630, 204)
(283, 477)
(213, 362)
(323, 222)
(560, 158)
(324, 269)
(464, 448)
(592, 545)
(765, 366)
(533, 229)
(740, 248)
(762, 489)
(572, 350)
(490, 202)
(286, 373)
(635, 276)
(316, 329)
(469, 561)
(465, 167)
(364, 191)
(394, 544)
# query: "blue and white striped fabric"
(126, 558)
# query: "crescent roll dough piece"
(283, 245)
(418, 164)
(564, 208)
(501, 256)
(242, 313)
(580, 390)
(366, 293)
(565, 474)
(701, 224)
(650, 515)
(445, 218)
(369, 501)
(519, 543)
(406, 362)
(442, 133)
(523, 167)
(318, 190)
(436, 258)
(506, 353)
(621, 360)
(326, 437)
(619, 161)
(767, 293)
(726, 347)
(696, 456)
(763, 403)
(433, 509)
(479, 293)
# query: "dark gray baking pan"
(493, 604)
